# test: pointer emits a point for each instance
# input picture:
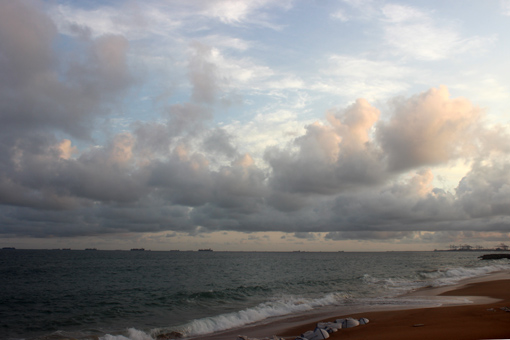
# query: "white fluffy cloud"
(430, 129)
(414, 33)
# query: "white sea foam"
(453, 275)
(437, 278)
(279, 307)
(132, 334)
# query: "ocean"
(114, 295)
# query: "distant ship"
(8, 248)
(90, 249)
(208, 249)
(137, 249)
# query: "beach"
(483, 318)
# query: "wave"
(239, 293)
(279, 307)
(392, 287)
(434, 278)
(132, 334)
(449, 276)
(381, 291)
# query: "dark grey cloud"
(37, 176)
(42, 89)
(218, 141)
(485, 190)
(187, 180)
(369, 235)
(25, 43)
(187, 117)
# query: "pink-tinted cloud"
(429, 129)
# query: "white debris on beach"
(321, 331)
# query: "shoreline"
(470, 309)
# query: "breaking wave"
(280, 307)
(433, 278)
(451, 276)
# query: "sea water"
(60, 294)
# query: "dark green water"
(88, 294)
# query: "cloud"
(329, 158)
(415, 34)
(365, 171)
(398, 14)
(186, 179)
(505, 7)
(131, 20)
(340, 15)
(101, 174)
(370, 235)
(25, 40)
(218, 141)
(411, 204)
(226, 42)
(66, 149)
(179, 34)
(235, 12)
(347, 66)
(306, 236)
(267, 129)
(202, 74)
(365, 9)
(429, 129)
(485, 190)
(186, 118)
(44, 90)
(350, 76)
(354, 176)
(165, 18)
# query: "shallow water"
(116, 294)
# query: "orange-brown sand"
(467, 321)
(474, 321)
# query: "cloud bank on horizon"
(324, 120)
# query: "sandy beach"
(482, 318)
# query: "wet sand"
(481, 318)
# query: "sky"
(268, 125)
